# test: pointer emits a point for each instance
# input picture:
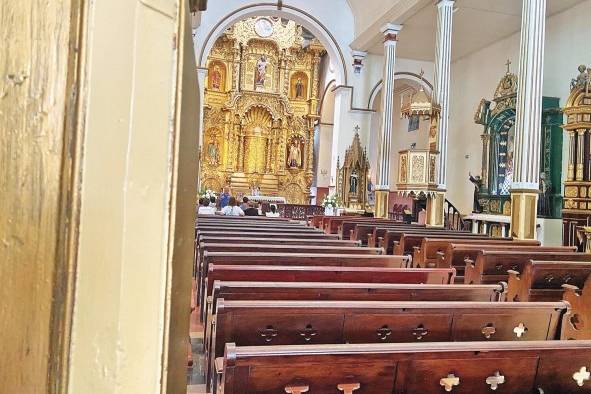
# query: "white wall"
(477, 75)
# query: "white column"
(339, 123)
(202, 79)
(529, 96)
(442, 78)
(390, 32)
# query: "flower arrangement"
(208, 193)
(331, 201)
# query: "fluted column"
(390, 32)
(442, 81)
(435, 201)
(525, 187)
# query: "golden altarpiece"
(260, 108)
(576, 212)
(353, 177)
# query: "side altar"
(493, 185)
(260, 109)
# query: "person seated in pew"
(212, 202)
(251, 210)
(273, 212)
(244, 206)
(232, 209)
(205, 208)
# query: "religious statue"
(544, 207)
(260, 71)
(582, 80)
(353, 180)
(212, 153)
(477, 182)
(216, 78)
(294, 160)
(299, 86)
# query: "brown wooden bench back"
(264, 323)
(363, 231)
(347, 228)
(409, 240)
(430, 248)
(577, 323)
(418, 368)
(268, 234)
(492, 266)
(544, 280)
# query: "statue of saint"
(582, 80)
(216, 78)
(294, 159)
(353, 181)
(260, 71)
(299, 88)
(212, 153)
(477, 182)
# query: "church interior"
(295, 196)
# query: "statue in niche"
(216, 78)
(294, 159)
(260, 71)
(477, 182)
(353, 182)
(213, 152)
(299, 87)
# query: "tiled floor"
(196, 373)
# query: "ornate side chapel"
(353, 176)
(260, 109)
(493, 185)
(577, 187)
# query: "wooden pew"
(409, 240)
(391, 238)
(242, 218)
(544, 280)
(426, 254)
(409, 368)
(364, 231)
(296, 259)
(268, 234)
(346, 229)
(577, 323)
(263, 323)
(331, 223)
(261, 229)
(274, 273)
(491, 266)
(271, 248)
(455, 254)
(322, 291)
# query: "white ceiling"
(477, 24)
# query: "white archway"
(428, 86)
(289, 12)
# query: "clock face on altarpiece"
(263, 27)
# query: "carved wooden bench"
(389, 239)
(408, 241)
(364, 231)
(263, 323)
(491, 266)
(347, 228)
(274, 273)
(296, 259)
(544, 280)
(335, 291)
(268, 234)
(431, 247)
(577, 323)
(411, 368)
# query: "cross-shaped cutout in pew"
(449, 382)
(495, 380)
(488, 331)
(520, 330)
(581, 376)
(296, 389)
(348, 388)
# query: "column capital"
(445, 3)
(390, 31)
(358, 57)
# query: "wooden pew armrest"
(469, 273)
(416, 257)
(441, 260)
(514, 286)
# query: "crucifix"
(508, 64)
(357, 128)
(279, 4)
